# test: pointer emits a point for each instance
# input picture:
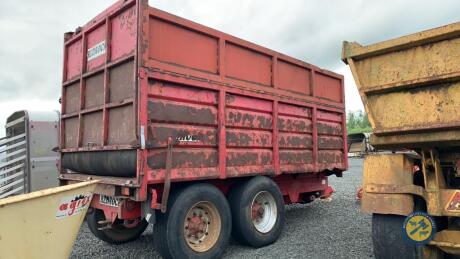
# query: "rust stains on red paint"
(330, 157)
(329, 128)
(232, 108)
(291, 140)
(184, 113)
(248, 119)
(244, 138)
(326, 142)
(183, 158)
(296, 157)
(294, 124)
(247, 157)
(181, 135)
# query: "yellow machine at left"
(43, 224)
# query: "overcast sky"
(31, 35)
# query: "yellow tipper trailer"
(410, 87)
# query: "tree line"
(357, 121)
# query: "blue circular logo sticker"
(419, 228)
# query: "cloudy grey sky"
(31, 34)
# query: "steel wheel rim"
(202, 226)
(264, 212)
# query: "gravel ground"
(334, 229)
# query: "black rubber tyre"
(119, 234)
(388, 240)
(170, 232)
(241, 198)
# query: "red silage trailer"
(198, 132)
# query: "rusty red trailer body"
(136, 76)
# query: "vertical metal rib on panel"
(105, 114)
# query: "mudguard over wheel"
(197, 224)
(257, 211)
(118, 234)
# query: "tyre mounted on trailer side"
(197, 223)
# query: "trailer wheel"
(197, 224)
(257, 211)
(388, 240)
(118, 234)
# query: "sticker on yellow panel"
(454, 203)
(419, 228)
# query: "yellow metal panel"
(387, 169)
(43, 224)
(433, 35)
(410, 85)
(426, 107)
(404, 67)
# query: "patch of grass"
(359, 130)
